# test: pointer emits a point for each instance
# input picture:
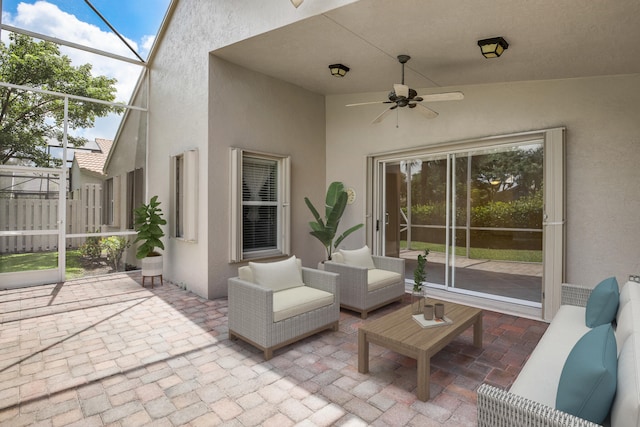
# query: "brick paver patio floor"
(105, 351)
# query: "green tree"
(29, 119)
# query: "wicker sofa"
(363, 288)
(270, 314)
(531, 399)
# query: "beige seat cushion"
(377, 278)
(295, 301)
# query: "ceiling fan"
(403, 96)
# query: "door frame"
(554, 222)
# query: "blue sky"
(73, 20)
(134, 19)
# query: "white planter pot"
(152, 266)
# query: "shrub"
(114, 246)
(525, 212)
(91, 249)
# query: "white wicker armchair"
(356, 290)
(252, 318)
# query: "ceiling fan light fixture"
(296, 3)
(493, 47)
(338, 70)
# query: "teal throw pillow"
(602, 304)
(589, 378)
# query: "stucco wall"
(603, 136)
(79, 177)
(179, 120)
(201, 102)
(252, 111)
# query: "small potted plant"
(326, 229)
(148, 219)
(419, 277)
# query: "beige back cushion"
(337, 257)
(276, 276)
(358, 257)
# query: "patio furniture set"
(585, 371)
(274, 304)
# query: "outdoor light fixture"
(338, 70)
(493, 47)
(296, 3)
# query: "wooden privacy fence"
(84, 215)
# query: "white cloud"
(48, 19)
(147, 42)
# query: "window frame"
(283, 232)
(135, 194)
(183, 221)
(111, 194)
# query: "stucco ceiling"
(547, 40)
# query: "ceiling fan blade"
(368, 103)
(383, 115)
(446, 96)
(401, 90)
(426, 111)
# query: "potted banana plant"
(325, 229)
(148, 219)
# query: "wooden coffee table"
(397, 331)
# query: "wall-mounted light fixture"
(493, 47)
(296, 3)
(338, 70)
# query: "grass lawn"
(518, 255)
(42, 261)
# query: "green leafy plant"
(114, 246)
(148, 219)
(420, 273)
(91, 249)
(30, 119)
(325, 229)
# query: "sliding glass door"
(478, 209)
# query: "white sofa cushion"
(628, 321)
(278, 275)
(377, 278)
(629, 291)
(538, 380)
(358, 257)
(626, 405)
(295, 301)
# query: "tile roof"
(94, 162)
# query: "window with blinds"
(260, 205)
